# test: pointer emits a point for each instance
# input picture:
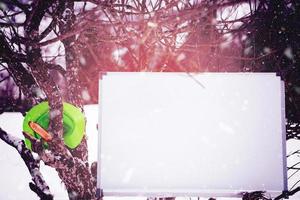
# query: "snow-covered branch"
(39, 186)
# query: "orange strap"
(39, 130)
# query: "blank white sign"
(179, 134)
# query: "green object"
(73, 123)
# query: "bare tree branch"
(39, 186)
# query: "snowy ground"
(14, 177)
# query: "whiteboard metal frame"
(283, 125)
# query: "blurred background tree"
(273, 39)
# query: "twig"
(288, 193)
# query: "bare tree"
(53, 50)
(21, 55)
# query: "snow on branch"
(39, 186)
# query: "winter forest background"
(54, 50)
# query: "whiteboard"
(181, 134)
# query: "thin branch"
(288, 193)
(4, 79)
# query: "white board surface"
(174, 134)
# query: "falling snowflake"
(180, 57)
(85, 95)
(289, 53)
(118, 54)
(267, 50)
(82, 60)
